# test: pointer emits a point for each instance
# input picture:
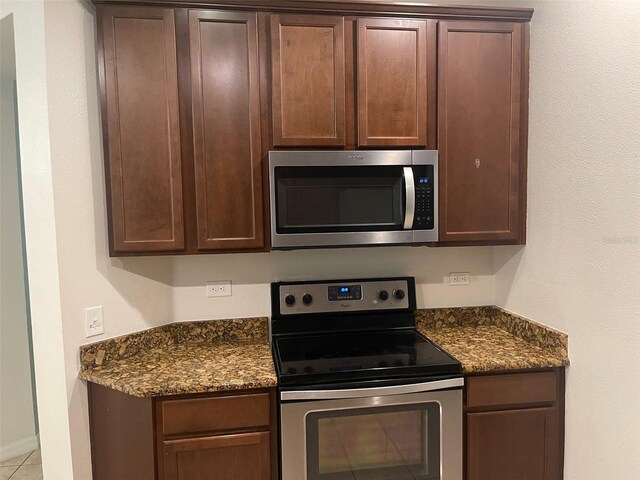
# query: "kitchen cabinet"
(225, 100)
(138, 75)
(242, 456)
(392, 81)
(308, 80)
(515, 426)
(182, 134)
(223, 436)
(313, 71)
(482, 122)
(193, 99)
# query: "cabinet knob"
(477, 163)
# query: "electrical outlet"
(459, 278)
(218, 289)
(93, 321)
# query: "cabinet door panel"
(392, 82)
(308, 74)
(142, 129)
(514, 444)
(226, 129)
(479, 107)
(228, 457)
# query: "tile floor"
(23, 467)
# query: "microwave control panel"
(424, 180)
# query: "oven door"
(373, 434)
(336, 198)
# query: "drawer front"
(210, 414)
(515, 389)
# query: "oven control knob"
(383, 295)
(307, 299)
(289, 300)
(399, 294)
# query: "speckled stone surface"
(178, 358)
(219, 355)
(489, 338)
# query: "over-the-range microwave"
(353, 198)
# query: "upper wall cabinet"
(393, 57)
(308, 80)
(194, 98)
(182, 130)
(226, 129)
(142, 132)
(482, 108)
(316, 77)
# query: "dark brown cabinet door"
(141, 124)
(515, 425)
(513, 444)
(308, 80)
(481, 163)
(226, 129)
(392, 82)
(226, 457)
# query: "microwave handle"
(410, 198)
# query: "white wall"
(18, 430)
(252, 273)
(40, 236)
(580, 270)
(135, 293)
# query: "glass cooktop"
(359, 356)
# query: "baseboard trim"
(18, 448)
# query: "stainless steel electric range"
(363, 395)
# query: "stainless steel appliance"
(362, 394)
(350, 198)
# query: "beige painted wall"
(580, 270)
(40, 236)
(135, 293)
(17, 422)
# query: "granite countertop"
(222, 355)
(491, 339)
(180, 358)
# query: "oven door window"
(339, 199)
(384, 443)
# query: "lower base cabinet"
(515, 426)
(226, 436)
(244, 456)
(514, 430)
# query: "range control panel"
(347, 296)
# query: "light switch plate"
(218, 289)
(459, 278)
(93, 321)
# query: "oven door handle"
(410, 197)
(372, 392)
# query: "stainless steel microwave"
(353, 198)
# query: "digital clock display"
(338, 293)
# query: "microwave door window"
(335, 199)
